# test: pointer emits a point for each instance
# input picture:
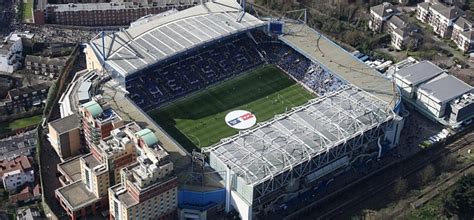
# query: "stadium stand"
(201, 68)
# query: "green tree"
(354, 38)
(461, 201)
(426, 174)
(400, 187)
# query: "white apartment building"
(11, 51)
(16, 172)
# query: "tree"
(447, 163)
(354, 38)
(399, 187)
(426, 174)
(461, 201)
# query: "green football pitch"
(198, 120)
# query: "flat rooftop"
(76, 195)
(72, 168)
(147, 43)
(276, 146)
(129, 111)
(18, 144)
(91, 161)
(123, 195)
(418, 72)
(444, 88)
(117, 5)
(66, 124)
(325, 52)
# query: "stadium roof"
(419, 72)
(274, 147)
(445, 88)
(323, 51)
(161, 37)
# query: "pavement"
(49, 160)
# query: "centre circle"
(240, 119)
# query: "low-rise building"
(386, 18)
(46, 66)
(11, 52)
(435, 94)
(379, 14)
(114, 13)
(409, 78)
(463, 34)
(401, 32)
(28, 213)
(439, 16)
(78, 92)
(423, 12)
(65, 136)
(23, 99)
(20, 144)
(7, 83)
(28, 193)
(462, 108)
(16, 172)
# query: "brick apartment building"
(65, 136)
(108, 14)
(86, 179)
(23, 99)
(149, 187)
(46, 66)
(97, 123)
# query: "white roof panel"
(316, 46)
(159, 37)
(275, 146)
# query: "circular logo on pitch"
(240, 119)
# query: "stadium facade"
(354, 114)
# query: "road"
(49, 160)
(7, 15)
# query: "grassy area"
(20, 123)
(198, 120)
(28, 10)
(423, 54)
(431, 210)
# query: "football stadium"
(265, 91)
(317, 108)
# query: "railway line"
(333, 205)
